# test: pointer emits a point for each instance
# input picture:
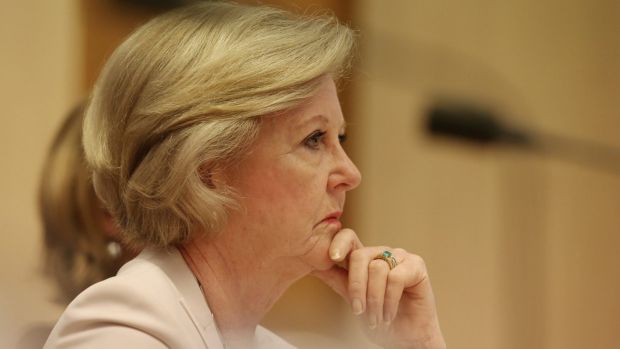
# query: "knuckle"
(374, 300)
(377, 266)
(400, 251)
(357, 255)
(420, 270)
(391, 301)
(418, 261)
(356, 287)
(395, 279)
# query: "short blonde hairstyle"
(183, 96)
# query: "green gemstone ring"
(388, 258)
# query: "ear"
(109, 225)
(206, 175)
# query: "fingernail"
(357, 307)
(336, 255)
(387, 318)
(372, 322)
(387, 323)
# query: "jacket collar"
(191, 298)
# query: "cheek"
(283, 193)
(290, 180)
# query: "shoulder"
(141, 305)
(141, 288)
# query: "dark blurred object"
(473, 123)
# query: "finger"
(343, 243)
(358, 276)
(336, 278)
(416, 288)
(393, 293)
(377, 277)
(416, 270)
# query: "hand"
(398, 305)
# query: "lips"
(333, 218)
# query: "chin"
(325, 265)
(317, 255)
(319, 260)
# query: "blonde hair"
(182, 98)
(75, 239)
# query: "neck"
(240, 284)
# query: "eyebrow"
(323, 118)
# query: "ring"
(388, 258)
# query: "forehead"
(321, 109)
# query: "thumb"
(336, 278)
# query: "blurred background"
(523, 246)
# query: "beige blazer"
(153, 302)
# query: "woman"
(81, 241)
(214, 136)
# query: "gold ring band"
(388, 258)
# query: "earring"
(114, 249)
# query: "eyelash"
(314, 139)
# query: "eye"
(313, 141)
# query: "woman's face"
(294, 181)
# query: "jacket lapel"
(190, 296)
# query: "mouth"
(333, 219)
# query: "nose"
(345, 175)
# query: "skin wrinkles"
(292, 179)
(292, 152)
(317, 123)
(286, 186)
